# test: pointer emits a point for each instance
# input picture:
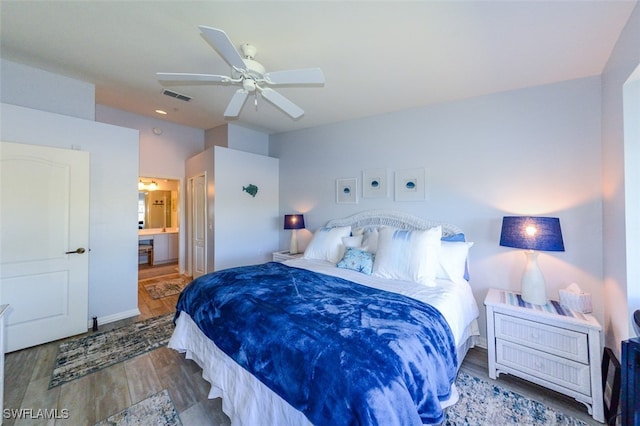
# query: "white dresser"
(555, 348)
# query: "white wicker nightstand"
(555, 348)
(281, 256)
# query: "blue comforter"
(340, 352)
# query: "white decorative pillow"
(408, 255)
(370, 240)
(326, 244)
(453, 260)
(355, 241)
(369, 237)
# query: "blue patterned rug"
(166, 287)
(482, 403)
(88, 354)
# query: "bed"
(370, 326)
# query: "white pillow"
(369, 237)
(453, 260)
(326, 244)
(370, 240)
(355, 241)
(408, 255)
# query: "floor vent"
(176, 95)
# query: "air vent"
(176, 95)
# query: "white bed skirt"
(245, 399)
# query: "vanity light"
(152, 186)
(159, 111)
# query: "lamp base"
(533, 287)
(293, 246)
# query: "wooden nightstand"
(548, 345)
(281, 256)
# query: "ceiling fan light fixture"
(249, 84)
(249, 74)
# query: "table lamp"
(532, 234)
(293, 222)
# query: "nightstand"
(548, 345)
(281, 256)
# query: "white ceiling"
(377, 57)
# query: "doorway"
(158, 235)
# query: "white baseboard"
(115, 317)
(482, 342)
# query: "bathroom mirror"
(157, 203)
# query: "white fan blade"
(186, 77)
(219, 40)
(236, 103)
(301, 76)
(281, 102)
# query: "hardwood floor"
(106, 392)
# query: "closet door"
(198, 224)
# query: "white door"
(44, 259)
(198, 225)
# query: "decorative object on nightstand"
(281, 256)
(546, 344)
(532, 234)
(293, 222)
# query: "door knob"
(79, 250)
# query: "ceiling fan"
(248, 74)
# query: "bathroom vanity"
(165, 244)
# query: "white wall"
(236, 137)
(624, 59)
(163, 155)
(38, 89)
(241, 229)
(246, 227)
(113, 268)
(248, 140)
(533, 151)
(632, 195)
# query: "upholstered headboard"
(394, 219)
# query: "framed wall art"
(347, 191)
(374, 183)
(410, 185)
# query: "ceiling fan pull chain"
(255, 99)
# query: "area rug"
(86, 355)
(482, 403)
(156, 410)
(169, 287)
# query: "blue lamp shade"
(532, 233)
(293, 221)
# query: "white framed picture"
(347, 191)
(410, 185)
(374, 183)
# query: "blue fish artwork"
(250, 189)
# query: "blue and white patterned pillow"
(358, 260)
